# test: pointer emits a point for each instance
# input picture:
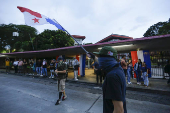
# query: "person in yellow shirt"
(7, 62)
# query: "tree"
(159, 28)
(22, 42)
(50, 39)
(165, 29)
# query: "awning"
(154, 43)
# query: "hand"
(56, 71)
(91, 55)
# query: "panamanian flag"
(34, 18)
(144, 55)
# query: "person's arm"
(147, 72)
(64, 71)
(115, 92)
(118, 106)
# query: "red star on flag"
(36, 20)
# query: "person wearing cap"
(75, 64)
(114, 85)
(44, 67)
(61, 75)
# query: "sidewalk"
(155, 85)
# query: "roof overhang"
(154, 43)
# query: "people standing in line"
(114, 86)
(44, 68)
(20, 63)
(7, 65)
(167, 70)
(16, 65)
(97, 71)
(138, 71)
(61, 72)
(75, 64)
(52, 68)
(145, 74)
(124, 64)
(129, 71)
(31, 62)
(25, 67)
(38, 68)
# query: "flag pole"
(74, 39)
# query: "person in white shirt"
(75, 64)
(16, 65)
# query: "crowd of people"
(140, 69)
(32, 67)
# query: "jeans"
(19, 69)
(38, 69)
(52, 70)
(145, 78)
(75, 74)
(129, 74)
(138, 75)
(16, 69)
(98, 76)
(44, 71)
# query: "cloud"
(94, 19)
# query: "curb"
(162, 92)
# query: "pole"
(73, 38)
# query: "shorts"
(52, 70)
(61, 87)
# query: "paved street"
(23, 94)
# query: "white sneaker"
(50, 77)
(129, 82)
(76, 79)
(41, 75)
(137, 82)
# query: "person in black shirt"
(31, 62)
(44, 68)
(97, 71)
(52, 68)
(114, 86)
(38, 64)
(25, 66)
